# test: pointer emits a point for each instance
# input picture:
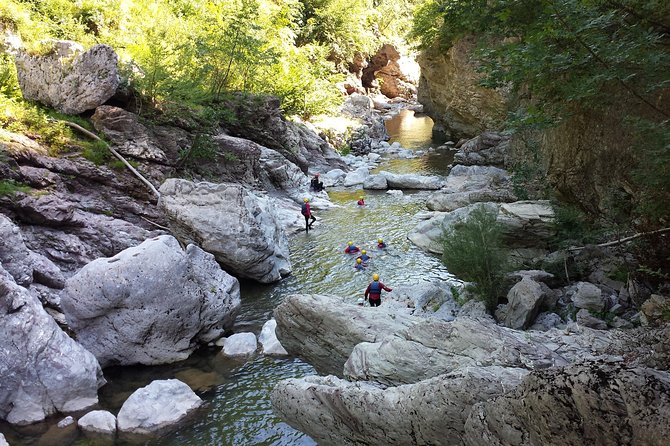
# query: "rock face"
(300, 321)
(43, 370)
(156, 407)
(385, 68)
(241, 229)
(14, 255)
(128, 135)
(391, 347)
(68, 78)
(98, 422)
(472, 184)
(576, 405)
(264, 124)
(151, 304)
(450, 93)
(526, 224)
(431, 412)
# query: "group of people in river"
(373, 293)
(374, 290)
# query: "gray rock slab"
(430, 412)
(150, 304)
(577, 405)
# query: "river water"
(238, 410)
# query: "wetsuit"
(374, 292)
(351, 249)
(381, 245)
(364, 257)
(316, 185)
(361, 202)
(359, 267)
(307, 213)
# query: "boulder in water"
(151, 304)
(240, 344)
(269, 341)
(241, 229)
(98, 422)
(157, 407)
(412, 181)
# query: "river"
(238, 408)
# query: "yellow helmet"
(363, 251)
(361, 197)
(375, 276)
(305, 199)
(350, 243)
(380, 241)
(358, 260)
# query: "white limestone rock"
(240, 344)
(150, 304)
(98, 422)
(156, 407)
(241, 229)
(268, 339)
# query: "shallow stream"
(237, 393)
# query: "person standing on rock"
(307, 213)
(315, 184)
(373, 293)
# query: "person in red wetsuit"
(307, 213)
(351, 248)
(381, 244)
(361, 201)
(373, 293)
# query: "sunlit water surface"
(238, 410)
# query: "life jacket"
(305, 209)
(376, 288)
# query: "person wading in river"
(373, 293)
(307, 213)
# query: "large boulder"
(43, 370)
(598, 404)
(268, 339)
(655, 310)
(68, 78)
(150, 304)
(587, 296)
(524, 301)
(241, 229)
(336, 412)
(240, 344)
(157, 407)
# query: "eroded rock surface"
(43, 370)
(68, 78)
(598, 404)
(150, 304)
(241, 229)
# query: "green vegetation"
(10, 187)
(474, 252)
(97, 152)
(196, 51)
(562, 57)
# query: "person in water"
(373, 293)
(381, 244)
(364, 257)
(361, 201)
(315, 184)
(307, 213)
(351, 248)
(359, 266)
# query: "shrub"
(474, 251)
(97, 152)
(10, 187)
